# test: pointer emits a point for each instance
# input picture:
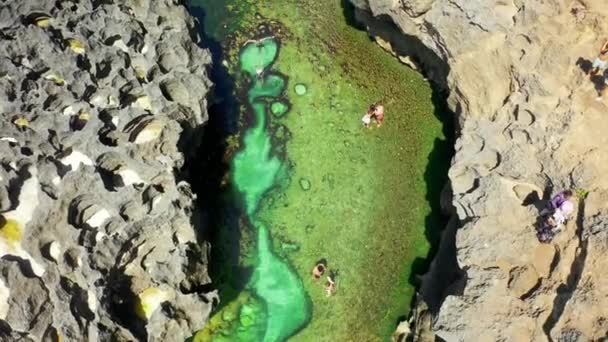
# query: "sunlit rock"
(127, 177)
(149, 300)
(21, 122)
(13, 223)
(42, 21)
(74, 159)
(143, 102)
(120, 44)
(97, 218)
(75, 45)
(52, 251)
(147, 131)
(4, 297)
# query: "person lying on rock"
(601, 61)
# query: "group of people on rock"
(319, 270)
(554, 216)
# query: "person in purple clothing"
(562, 203)
(554, 216)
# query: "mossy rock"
(305, 184)
(55, 78)
(11, 231)
(279, 108)
(21, 122)
(149, 300)
(300, 89)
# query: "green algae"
(366, 203)
(300, 89)
(282, 291)
(255, 170)
(279, 108)
(256, 57)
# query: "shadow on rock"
(207, 170)
(598, 80)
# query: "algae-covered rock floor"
(360, 198)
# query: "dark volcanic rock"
(97, 241)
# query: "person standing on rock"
(601, 61)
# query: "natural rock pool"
(308, 182)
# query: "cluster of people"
(555, 215)
(317, 273)
(376, 112)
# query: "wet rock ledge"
(97, 228)
(529, 125)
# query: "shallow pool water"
(312, 183)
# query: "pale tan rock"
(544, 256)
(522, 280)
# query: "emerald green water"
(255, 170)
(309, 182)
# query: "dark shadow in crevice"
(430, 64)
(349, 10)
(206, 169)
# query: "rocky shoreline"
(101, 104)
(528, 125)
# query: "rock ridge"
(528, 125)
(100, 104)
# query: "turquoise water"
(255, 170)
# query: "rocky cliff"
(529, 125)
(98, 228)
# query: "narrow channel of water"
(308, 182)
(255, 171)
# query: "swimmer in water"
(318, 271)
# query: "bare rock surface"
(528, 122)
(98, 234)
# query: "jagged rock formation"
(528, 122)
(97, 231)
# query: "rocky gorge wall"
(98, 228)
(529, 125)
